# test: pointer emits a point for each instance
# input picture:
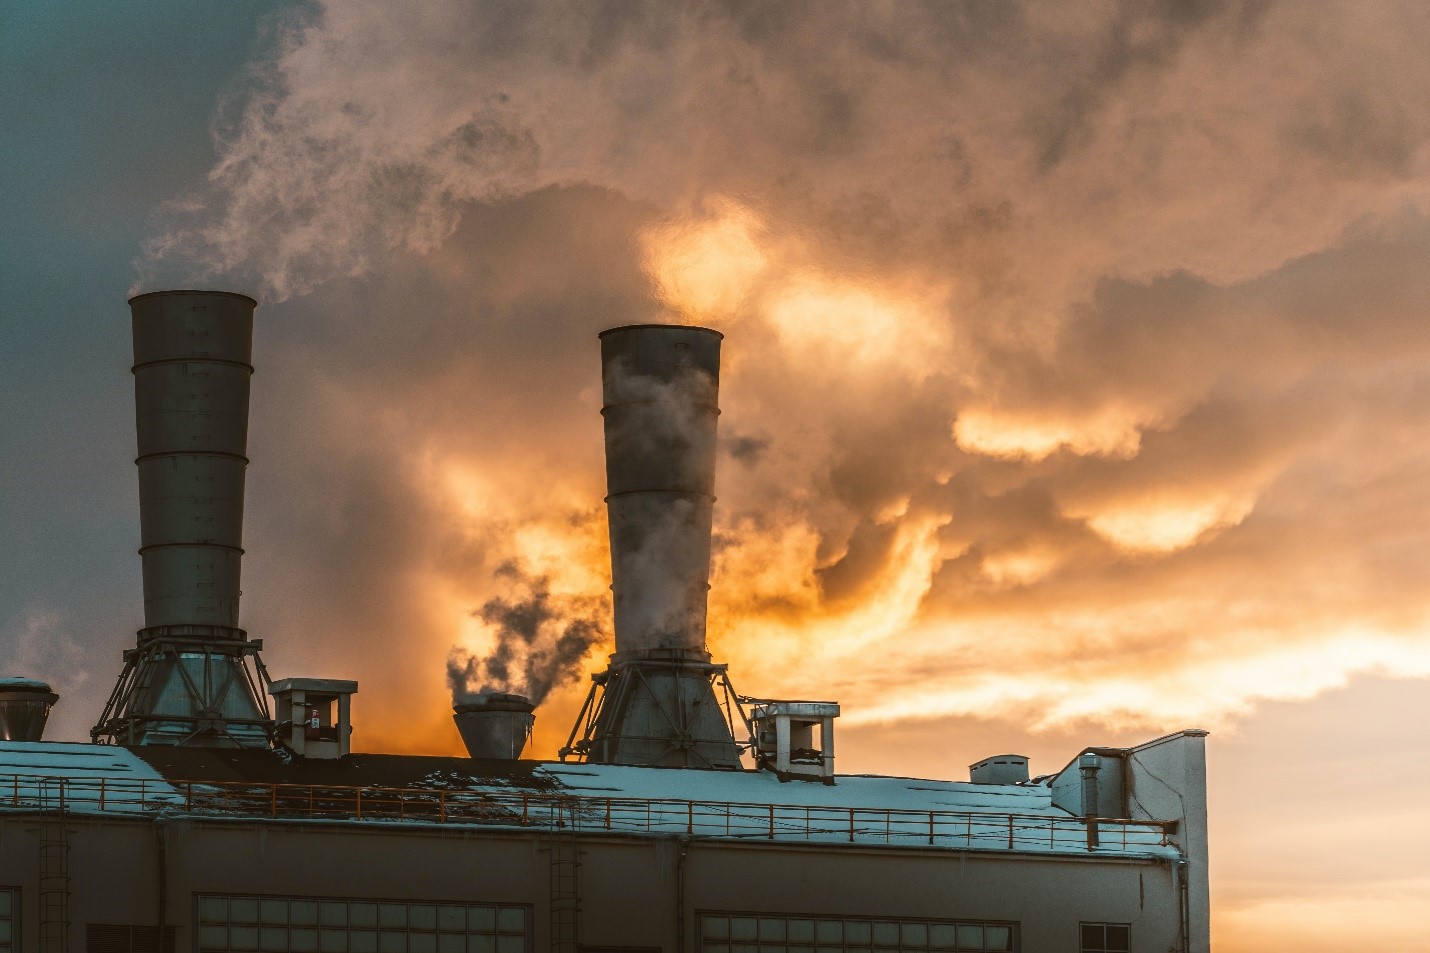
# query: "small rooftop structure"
(795, 739)
(24, 708)
(314, 715)
(495, 725)
(1000, 769)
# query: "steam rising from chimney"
(541, 639)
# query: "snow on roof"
(762, 787)
(731, 805)
(40, 774)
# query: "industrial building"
(681, 816)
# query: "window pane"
(392, 915)
(273, 939)
(333, 914)
(303, 913)
(451, 943)
(481, 919)
(886, 934)
(243, 910)
(743, 928)
(856, 931)
(333, 941)
(829, 931)
(511, 944)
(243, 938)
(970, 936)
(273, 911)
(801, 931)
(998, 938)
(213, 938)
(1092, 936)
(422, 943)
(941, 936)
(772, 929)
(511, 920)
(392, 943)
(303, 940)
(1117, 936)
(715, 928)
(211, 909)
(362, 941)
(422, 917)
(7, 902)
(481, 943)
(362, 915)
(914, 936)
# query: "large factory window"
(777, 934)
(9, 914)
(313, 925)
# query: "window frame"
(528, 912)
(1015, 927)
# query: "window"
(9, 914)
(720, 933)
(1105, 937)
(316, 925)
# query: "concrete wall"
(1167, 778)
(643, 892)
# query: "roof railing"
(549, 810)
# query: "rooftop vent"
(314, 715)
(1000, 769)
(796, 739)
(24, 707)
(495, 725)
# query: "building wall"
(635, 892)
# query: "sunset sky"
(1076, 378)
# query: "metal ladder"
(54, 860)
(565, 879)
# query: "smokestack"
(495, 725)
(24, 708)
(658, 700)
(189, 681)
(661, 388)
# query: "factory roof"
(737, 805)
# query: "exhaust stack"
(657, 703)
(495, 725)
(24, 708)
(189, 681)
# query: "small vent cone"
(495, 725)
(24, 708)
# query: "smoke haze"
(989, 421)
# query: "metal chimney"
(657, 702)
(495, 725)
(24, 708)
(189, 681)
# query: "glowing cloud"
(705, 267)
(1110, 433)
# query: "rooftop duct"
(190, 681)
(657, 703)
(1000, 769)
(495, 725)
(24, 708)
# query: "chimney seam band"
(159, 454)
(674, 491)
(201, 359)
(647, 403)
(153, 546)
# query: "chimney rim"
(193, 291)
(677, 327)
